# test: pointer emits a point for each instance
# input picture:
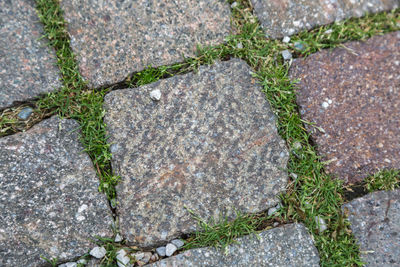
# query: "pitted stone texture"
(49, 201)
(27, 65)
(374, 221)
(353, 94)
(209, 144)
(113, 39)
(289, 245)
(286, 17)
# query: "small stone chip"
(122, 259)
(321, 224)
(98, 252)
(25, 113)
(170, 249)
(178, 243)
(286, 39)
(118, 238)
(286, 55)
(69, 264)
(155, 95)
(161, 251)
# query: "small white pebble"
(286, 54)
(321, 224)
(161, 251)
(122, 259)
(325, 105)
(297, 145)
(170, 249)
(234, 4)
(118, 238)
(69, 264)
(328, 31)
(98, 252)
(178, 243)
(155, 95)
(239, 46)
(286, 39)
(329, 101)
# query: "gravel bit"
(286, 54)
(299, 46)
(98, 252)
(122, 259)
(25, 113)
(321, 224)
(161, 251)
(178, 243)
(154, 257)
(155, 95)
(118, 238)
(286, 39)
(170, 249)
(146, 257)
(69, 264)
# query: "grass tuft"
(383, 180)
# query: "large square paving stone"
(27, 65)
(286, 246)
(49, 202)
(286, 17)
(375, 222)
(113, 39)
(209, 145)
(353, 95)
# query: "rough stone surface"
(286, 17)
(289, 245)
(112, 39)
(49, 201)
(27, 65)
(210, 145)
(353, 94)
(374, 221)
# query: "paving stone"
(374, 221)
(49, 201)
(353, 95)
(289, 245)
(210, 145)
(280, 18)
(113, 39)
(27, 65)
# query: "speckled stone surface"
(49, 201)
(286, 17)
(209, 144)
(113, 39)
(27, 65)
(286, 246)
(353, 94)
(375, 222)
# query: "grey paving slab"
(210, 144)
(353, 94)
(286, 17)
(113, 39)
(27, 65)
(49, 200)
(287, 246)
(375, 222)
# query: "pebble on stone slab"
(286, 55)
(155, 95)
(25, 113)
(161, 251)
(170, 249)
(98, 252)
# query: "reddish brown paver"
(353, 94)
